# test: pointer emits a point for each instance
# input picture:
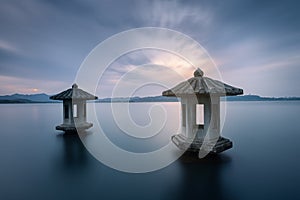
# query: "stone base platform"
(184, 143)
(71, 128)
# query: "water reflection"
(73, 153)
(202, 178)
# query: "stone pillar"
(72, 112)
(215, 115)
(84, 111)
(212, 117)
(191, 117)
(80, 107)
(183, 116)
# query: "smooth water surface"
(37, 162)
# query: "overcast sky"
(255, 44)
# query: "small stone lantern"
(202, 93)
(74, 109)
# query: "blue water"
(36, 162)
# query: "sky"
(254, 44)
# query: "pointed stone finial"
(75, 86)
(198, 73)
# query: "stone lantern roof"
(74, 93)
(202, 86)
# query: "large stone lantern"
(201, 94)
(74, 109)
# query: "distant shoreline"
(44, 98)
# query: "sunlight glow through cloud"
(144, 59)
(24, 86)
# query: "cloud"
(47, 40)
(145, 66)
(50, 38)
(173, 14)
(5, 46)
(28, 86)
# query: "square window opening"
(200, 114)
(66, 110)
(75, 110)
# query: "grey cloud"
(48, 39)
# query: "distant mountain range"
(26, 98)
(44, 98)
(259, 98)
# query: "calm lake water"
(36, 162)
